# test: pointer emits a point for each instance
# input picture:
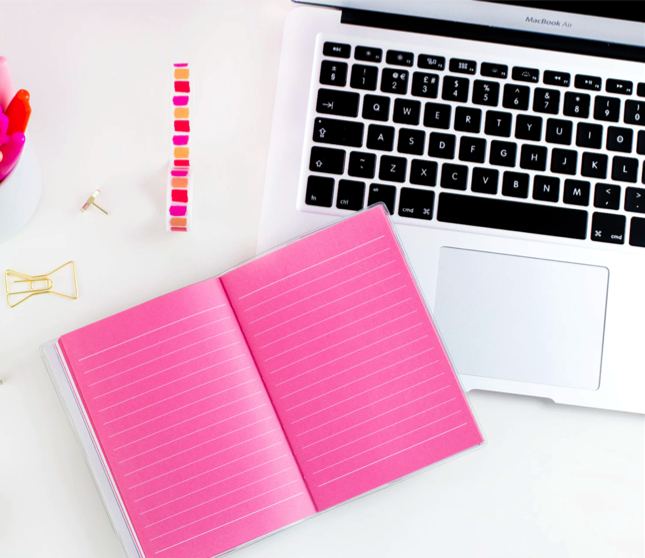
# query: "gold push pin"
(92, 201)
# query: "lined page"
(185, 424)
(351, 359)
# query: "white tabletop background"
(553, 480)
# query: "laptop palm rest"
(522, 319)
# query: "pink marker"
(6, 83)
(4, 124)
(11, 152)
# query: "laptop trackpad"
(522, 319)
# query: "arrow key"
(327, 160)
(635, 200)
(607, 196)
(606, 227)
(341, 103)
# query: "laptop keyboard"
(477, 143)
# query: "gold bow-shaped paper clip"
(38, 284)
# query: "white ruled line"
(379, 430)
(388, 441)
(225, 509)
(160, 371)
(220, 496)
(360, 378)
(214, 483)
(209, 471)
(314, 280)
(152, 331)
(392, 455)
(230, 522)
(321, 292)
(328, 303)
(378, 416)
(312, 266)
(343, 341)
(160, 357)
(155, 344)
(335, 330)
(334, 316)
(351, 353)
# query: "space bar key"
(512, 216)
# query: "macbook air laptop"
(508, 143)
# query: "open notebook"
(239, 405)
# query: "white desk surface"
(553, 481)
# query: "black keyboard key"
(320, 191)
(368, 54)
(531, 75)
(430, 62)
(594, 165)
(460, 66)
(351, 195)
(624, 169)
(423, 172)
(399, 58)
(333, 73)
(533, 157)
(564, 161)
(411, 141)
(441, 146)
(576, 192)
(512, 216)
(635, 199)
(515, 184)
(437, 116)
(637, 232)
(382, 193)
(494, 70)
(339, 103)
(364, 77)
(406, 111)
(418, 204)
(395, 81)
(606, 108)
(455, 89)
(324, 159)
(559, 131)
(619, 86)
(485, 180)
(361, 164)
(485, 93)
(546, 188)
(589, 135)
(606, 227)
(502, 153)
(640, 144)
(468, 119)
(339, 132)
(640, 90)
(376, 108)
(528, 127)
(338, 50)
(561, 79)
(635, 113)
(425, 85)
(454, 177)
(588, 82)
(576, 104)
(380, 137)
(498, 123)
(546, 100)
(472, 149)
(393, 169)
(607, 196)
(516, 96)
(619, 139)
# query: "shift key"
(338, 132)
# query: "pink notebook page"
(185, 424)
(351, 359)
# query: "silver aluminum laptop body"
(554, 315)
